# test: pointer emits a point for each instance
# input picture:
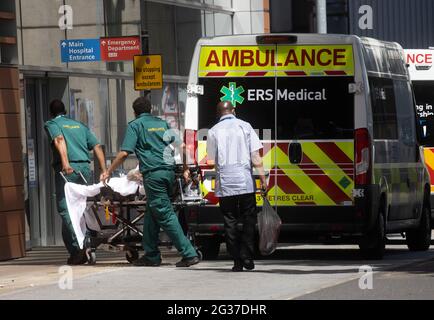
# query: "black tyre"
(373, 244)
(131, 255)
(209, 247)
(420, 239)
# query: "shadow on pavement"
(419, 268)
(288, 256)
(283, 271)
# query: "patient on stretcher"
(77, 197)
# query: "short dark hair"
(142, 105)
(57, 107)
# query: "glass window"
(169, 103)
(173, 32)
(89, 104)
(208, 24)
(375, 58)
(223, 24)
(160, 22)
(396, 61)
(224, 3)
(315, 108)
(259, 113)
(122, 96)
(405, 113)
(424, 94)
(383, 108)
(188, 31)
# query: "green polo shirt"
(149, 138)
(79, 139)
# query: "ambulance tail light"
(363, 157)
(191, 146)
(276, 39)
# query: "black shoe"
(145, 262)
(238, 266)
(187, 262)
(248, 264)
(77, 259)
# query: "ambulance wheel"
(132, 255)
(420, 239)
(91, 257)
(373, 243)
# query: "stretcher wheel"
(199, 255)
(91, 257)
(132, 255)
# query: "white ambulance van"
(336, 116)
(421, 68)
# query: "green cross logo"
(344, 182)
(232, 94)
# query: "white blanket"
(81, 215)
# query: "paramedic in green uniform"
(149, 138)
(71, 142)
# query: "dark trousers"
(159, 213)
(239, 209)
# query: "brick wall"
(12, 230)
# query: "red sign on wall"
(120, 48)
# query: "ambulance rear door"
(298, 100)
(421, 69)
(314, 151)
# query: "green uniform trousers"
(159, 188)
(68, 234)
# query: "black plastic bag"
(269, 224)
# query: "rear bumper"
(304, 222)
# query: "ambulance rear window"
(322, 109)
(260, 114)
(311, 108)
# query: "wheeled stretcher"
(119, 218)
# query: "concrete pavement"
(292, 272)
(410, 282)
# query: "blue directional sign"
(80, 50)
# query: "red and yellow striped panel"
(428, 154)
(234, 74)
(325, 176)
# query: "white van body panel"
(420, 64)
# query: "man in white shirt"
(233, 146)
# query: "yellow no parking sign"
(148, 72)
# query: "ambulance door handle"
(295, 153)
